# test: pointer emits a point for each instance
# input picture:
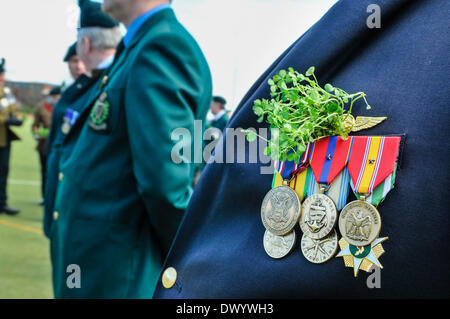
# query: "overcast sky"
(240, 38)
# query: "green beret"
(93, 16)
(72, 51)
(219, 99)
(56, 90)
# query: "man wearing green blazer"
(99, 36)
(220, 119)
(120, 197)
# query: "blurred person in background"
(122, 196)
(220, 119)
(97, 40)
(98, 37)
(41, 127)
(215, 127)
(74, 63)
(9, 116)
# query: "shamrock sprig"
(302, 112)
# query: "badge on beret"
(100, 113)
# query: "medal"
(65, 128)
(361, 257)
(371, 166)
(359, 223)
(280, 210)
(281, 206)
(309, 113)
(278, 246)
(69, 120)
(321, 250)
(319, 216)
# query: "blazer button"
(55, 215)
(169, 277)
(61, 176)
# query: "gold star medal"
(361, 257)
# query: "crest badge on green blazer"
(99, 114)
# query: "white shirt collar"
(219, 115)
(106, 62)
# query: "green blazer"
(120, 197)
(220, 123)
(75, 97)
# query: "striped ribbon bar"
(71, 116)
(380, 192)
(288, 169)
(303, 184)
(372, 160)
(329, 157)
(328, 162)
(300, 175)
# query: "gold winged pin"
(361, 123)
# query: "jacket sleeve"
(161, 95)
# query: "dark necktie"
(119, 50)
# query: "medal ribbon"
(380, 192)
(303, 184)
(328, 162)
(71, 116)
(337, 191)
(303, 179)
(288, 169)
(329, 158)
(371, 161)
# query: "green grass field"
(25, 270)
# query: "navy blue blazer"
(404, 69)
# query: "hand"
(42, 133)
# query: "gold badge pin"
(104, 81)
(361, 122)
